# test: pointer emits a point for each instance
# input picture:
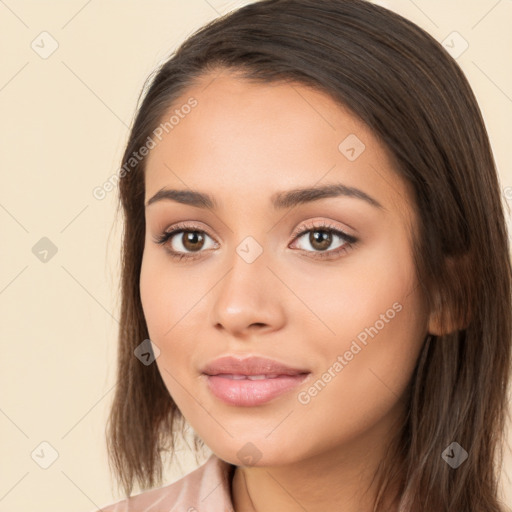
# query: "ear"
(443, 318)
(441, 321)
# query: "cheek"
(365, 368)
(151, 295)
(382, 336)
(374, 280)
(171, 302)
(159, 304)
(167, 295)
(377, 323)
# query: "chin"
(254, 453)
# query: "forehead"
(244, 137)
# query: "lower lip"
(247, 393)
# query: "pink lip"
(249, 366)
(246, 392)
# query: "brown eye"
(192, 240)
(321, 242)
(184, 241)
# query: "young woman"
(316, 272)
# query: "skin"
(242, 143)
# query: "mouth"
(235, 376)
(251, 381)
(252, 390)
(253, 366)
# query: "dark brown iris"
(322, 238)
(191, 240)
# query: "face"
(325, 285)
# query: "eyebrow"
(279, 200)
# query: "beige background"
(64, 120)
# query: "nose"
(248, 299)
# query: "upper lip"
(252, 365)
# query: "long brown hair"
(401, 82)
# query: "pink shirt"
(206, 489)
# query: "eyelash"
(349, 240)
